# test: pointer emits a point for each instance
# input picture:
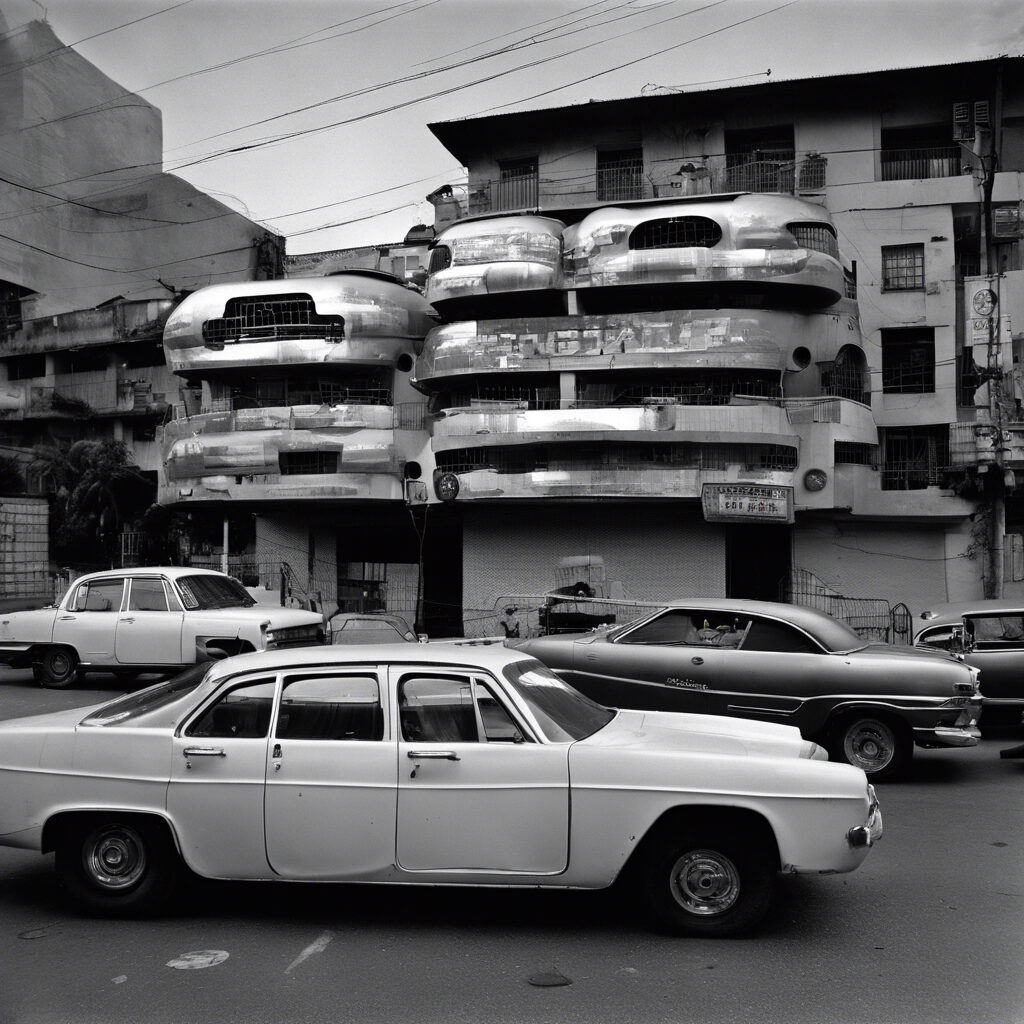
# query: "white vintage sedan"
(460, 763)
(159, 618)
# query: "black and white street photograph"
(511, 511)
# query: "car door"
(666, 663)
(997, 649)
(477, 792)
(217, 781)
(330, 798)
(771, 669)
(88, 622)
(149, 628)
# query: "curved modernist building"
(297, 416)
(704, 380)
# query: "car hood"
(279, 617)
(702, 734)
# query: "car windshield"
(561, 712)
(134, 705)
(201, 593)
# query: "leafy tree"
(97, 490)
(12, 480)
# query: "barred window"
(903, 268)
(908, 360)
(296, 463)
(676, 233)
(856, 453)
(620, 175)
(820, 237)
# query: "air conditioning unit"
(963, 126)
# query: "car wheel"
(875, 745)
(118, 867)
(57, 668)
(708, 885)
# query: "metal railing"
(937, 162)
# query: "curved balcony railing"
(350, 485)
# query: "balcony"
(579, 187)
(76, 399)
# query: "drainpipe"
(996, 381)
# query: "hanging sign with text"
(744, 503)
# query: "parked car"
(990, 636)
(370, 628)
(146, 620)
(429, 764)
(868, 703)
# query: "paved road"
(929, 931)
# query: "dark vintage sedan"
(990, 636)
(868, 703)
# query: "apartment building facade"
(907, 427)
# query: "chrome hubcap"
(869, 745)
(115, 857)
(705, 882)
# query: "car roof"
(491, 655)
(836, 635)
(942, 614)
(172, 572)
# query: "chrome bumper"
(870, 832)
(948, 736)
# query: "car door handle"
(434, 755)
(202, 752)
(68, 618)
(697, 661)
(128, 618)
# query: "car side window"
(147, 595)
(497, 724)
(99, 596)
(437, 709)
(997, 632)
(339, 706)
(692, 627)
(768, 635)
(242, 712)
(941, 638)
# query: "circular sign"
(815, 479)
(984, 301)
(447, 487)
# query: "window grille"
(902, 268)
(908, 361)
(620, 175)
(819, 237)
(265, 317)
(298, 463)
(855, 453)
(676, 233)
(915, 458)
(517, 184)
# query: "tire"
(56, 668)
(876, 745)
(710, 884)
(118, 866)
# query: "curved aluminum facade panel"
(345, 318)
(683, 338)
(751, 238)
(494, 256)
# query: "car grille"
(296, 636)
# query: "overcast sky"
(294, 66)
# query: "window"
(334, 707)
(437, 710)
(620, 175)
(765, 635)
(903, 268)
(297, 463)
(820, 237)
(997, 632)
(908, 360)
(241, 713)
(453, 709)
(914, 457)
(760, 159)
(147, 596)
(692, 627)
(517, 184)
(919, 151)
(99, 596)
(676, 233)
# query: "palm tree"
(97, 489)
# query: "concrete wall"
(25, 550)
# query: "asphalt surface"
(928, 931)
